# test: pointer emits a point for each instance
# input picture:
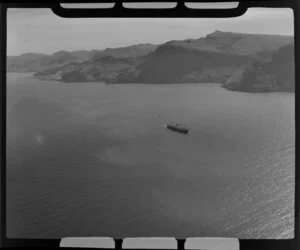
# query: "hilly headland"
(238, 61)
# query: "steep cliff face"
(282, 67)
(274, 74)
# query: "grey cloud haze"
(41, 31)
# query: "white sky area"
(41, 31)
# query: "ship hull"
(179, 130)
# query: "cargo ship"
(177, 128)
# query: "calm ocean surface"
(90, 159)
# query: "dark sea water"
(90, 159)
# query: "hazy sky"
(41, 31)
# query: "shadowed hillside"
(176, 64)
(275, 74)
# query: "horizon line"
(135, 44)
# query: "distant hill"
(237, 43)
(31, 62)
(125, 52)
(27, 62)
(275, 74)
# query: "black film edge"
(123, 12)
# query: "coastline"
(222, 85)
